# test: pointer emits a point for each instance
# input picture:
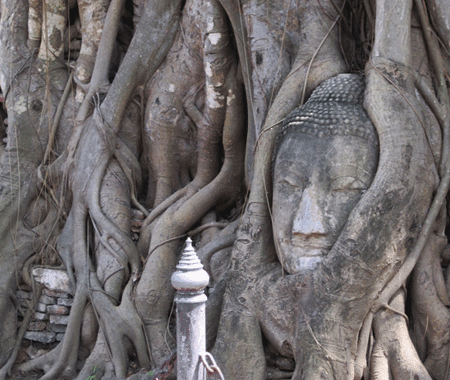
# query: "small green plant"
(93, 377)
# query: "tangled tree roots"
(173, 125)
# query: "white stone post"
(190, 280)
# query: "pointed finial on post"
(190, 275)
(190, 279)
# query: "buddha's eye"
(291, 181)
(288, 184)
(348, 184)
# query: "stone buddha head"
(325, 158)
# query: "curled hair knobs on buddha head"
(334, 108)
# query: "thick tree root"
(393, 351)
(166, 120)
(118, 322)
(431, 316)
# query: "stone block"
(40, 316)
(59, 319)
(25, 303)
(24, 295)
(55, 293)
(47, 300)
(65, 301)
(25, 287)
(53, 279)
(37, 326)
(41, 307)
(57, 309)
(59, 337)
(56, 328)
(40, 336)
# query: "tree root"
(207, 251)
(99, 78)
(166, 120)
(118, 322)
(44, 362)
(6, 369)
(393, 351)
(431, 315)
(99, 361)
(92, 191)
(92, 17)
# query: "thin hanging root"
(190, 233)
(112, 231)
(57, 118)
(123, 262)
(434, 52)
(428, 94)
(439, 282)
(131, 176)
(439, 71)
(104, 224)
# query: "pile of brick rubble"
(51, 315)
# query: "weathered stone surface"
(40, 316)
(57, 328)
(57, 309)
(47, 300)
(40, 336)
(65, 301)
(59, 337)
(59, 319)
(37, 326)
(41, 307)
(53, 279)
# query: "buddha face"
(317, 183)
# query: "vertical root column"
(92, 15)
(54, 18)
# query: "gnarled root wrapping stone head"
(325, 158)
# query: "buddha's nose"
(308, 220)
